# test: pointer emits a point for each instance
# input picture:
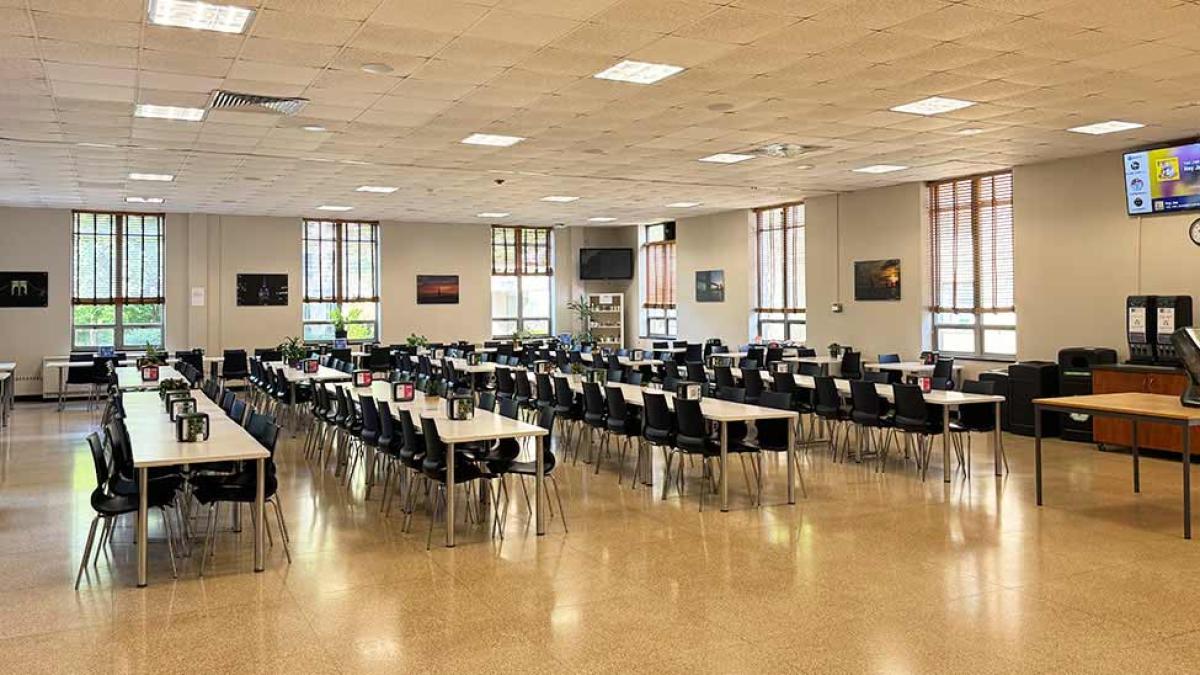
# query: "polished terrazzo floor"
(871, 573)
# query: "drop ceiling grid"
(820, 72)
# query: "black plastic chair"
(752, 382)
(875, 424)
(528, 469)
(772, 435)
(435, 468)
(658, 425)
(913, 418)
(828, 407)
(943, 373)
(568, 413)
(852, 365)
(622, 422)
(975, 418)
(595, 416)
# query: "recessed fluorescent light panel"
(972, 131)
(601, 219)
(1109, 127)
(639, 72)
(934, 105)
(333, 207)
(163, 177)
(379, 189)
(683, 205)
(169, 112)
(143, 200)
(496, 140)
(726, 158)
(491, 214)
(560, 199)
(313, 128)
(199, 15)
(880, 168)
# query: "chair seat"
(463, 472)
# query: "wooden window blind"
(522, 251)
(341, 261)
(117, 258)
(779, 232)
(971, 244)
(658, 260)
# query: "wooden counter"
(1123, 378)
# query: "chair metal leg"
(170, 542)
(283, 533)
(87, 550)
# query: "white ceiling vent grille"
(232, 100)
(786, 150)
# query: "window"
(116, 280)
(522, 276)
(659, 319)
(779, 242)
(971, 260)
(341, 275)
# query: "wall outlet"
(836, 308)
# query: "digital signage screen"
(1163, 180)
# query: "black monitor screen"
(606, 263)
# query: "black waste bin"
(1029, 380)
(1075, 379)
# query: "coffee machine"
(1139, 328)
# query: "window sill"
(976, 357)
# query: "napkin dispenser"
(460, 407)
(191, 427)
(689, 391)
(182, 406)
(543, 367)
(150, 373)
(597, 375)
(637, 355)
(473, 358)
(402, 392)
(310, 366)
(362, 378)
(173, 396)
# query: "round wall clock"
(1194, 231)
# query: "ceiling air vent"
(786, 150)
(231, 100)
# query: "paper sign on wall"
(197, 296)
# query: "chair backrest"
(593, 399)
(563, 395)
(784, 384)
(670, 383)
(521, 386)
(99, 462)
(264, 430)
(435, 449)
(80, 375)
(943, 372)
(269, 354)
(634, 377)
(689, 419)
(545, 389)
(809, 368)
(909, 403)
(724, 376)
(234, 361)
(487, 401)
(237, 411)
(735, 394)
(387, 423)
(656, 414)
(227, 399)
(412, 443)
(615, 375)
(851, 364)
(370, 415)
(504, 381)
(616, 404)
(752, 380)
(889, 358)
(804, 352)
(695, 372)
(773, 434)
(509, 408)
(695, 352)
(775, 399)
(978, 415)
(828, 398)
(877, 377)
(865, 398)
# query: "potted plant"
(583, 314)
(835, 350)
(292, 351)
(419, 341)
(520, 335)
(339, 320)
(171, 385)
(153, 357)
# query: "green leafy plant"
(415, 340)
(583, 314)
(339, 319)
(834, 349)
(292, 350)
(171, 384)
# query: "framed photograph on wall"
(24, 289)
(877, 279)
(710, 286)
(262, 290)
(437, 289)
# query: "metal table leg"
(945, 444)
(724, 466)
(260, 499)
(791, 463)
(450, 462)
(1137, 469)
(538, 486)
(143, 534)
(1187, 482)
(996, 441)
(62, 385)
(1037, 451)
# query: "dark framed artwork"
(24, 289)
(710, 286)
(437, 289)
(262, 290)
(877, 279)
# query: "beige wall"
(867, 225)
(721, 241)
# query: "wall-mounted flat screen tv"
(1163, 180)
(606, 263)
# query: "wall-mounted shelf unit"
(607, 324)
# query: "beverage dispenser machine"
(1171, 312)
(1139, 328)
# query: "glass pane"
(504, 328)
(1000, 342)
(94, 337)
(658, 327)
(140, 337)
(95, 315)
(142, 314)
(956, 340)
(671, 327)
(656, 233)
(504, 297)
(538, 326)
(360, 331)
(799, 332)
(1000, 319)
(317, 311)
(318, 332)
(954, 319)
(535, 296)
(772, 331)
